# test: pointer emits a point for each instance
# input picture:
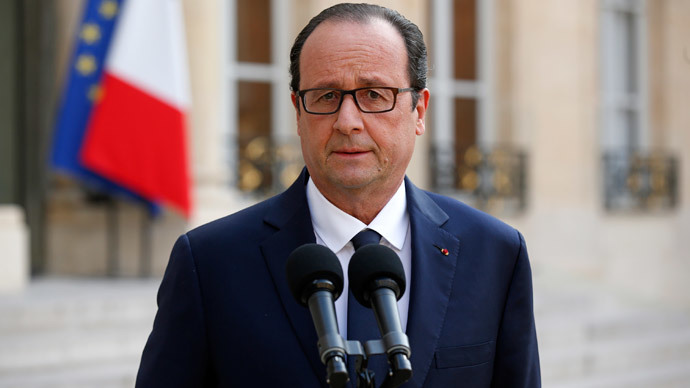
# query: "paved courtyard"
(72, 332)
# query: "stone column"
(14, 240)
(213, 197)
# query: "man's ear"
(422, 105)
(295, 104)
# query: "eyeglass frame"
(300, 95)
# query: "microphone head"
(369, 265)
(306, 269)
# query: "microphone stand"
(365, 377)
(400, 369)
(398, 356)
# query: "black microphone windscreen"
(312, 262)
(370, 263)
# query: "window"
(460, 71)
(635, 177)
(466, 160)
(623, 80)
(259, 127)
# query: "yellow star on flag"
(90, 33)
(86, 64)
(108, 9)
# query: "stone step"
(559, 331)
(61, 324)
(51, 349)
(669, 375)
(82, 303)
(112, 374)
(616, 355)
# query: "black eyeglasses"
(326, 101)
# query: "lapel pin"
(443, 251)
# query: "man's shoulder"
(470, 220)
(247, 220)
(262, 216)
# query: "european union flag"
(82, 91)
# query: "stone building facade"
(567, 119)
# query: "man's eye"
(373, 94)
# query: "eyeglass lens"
(369, 99)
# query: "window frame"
(446, 88)
(275, 73)
(615, 137)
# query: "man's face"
(350, 150)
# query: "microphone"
(377, 280)
(315, 278)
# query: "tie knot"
(366, 237)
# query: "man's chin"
(353, 181)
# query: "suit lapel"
(432, 279)
(290, 215)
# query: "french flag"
(136, 135)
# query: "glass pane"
(623, 53)
(631, 51)
(465, 122)
(254, 31)
(255, 136)
(467, 155)
(465, 39)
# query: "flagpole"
(146, 244)
(113, 237)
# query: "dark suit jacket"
(226, 317)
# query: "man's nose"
(349, 116)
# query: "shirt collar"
(336, 228)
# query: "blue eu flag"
(82, 91)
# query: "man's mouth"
(352, 151)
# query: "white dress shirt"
(334, 229)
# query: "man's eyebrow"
(361, 81)
(370, 81)
(325, 85)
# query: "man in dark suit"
(226, 317)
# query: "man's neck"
(361, 203)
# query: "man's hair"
(363, 13)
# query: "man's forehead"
(333, 35)
(371, 22)
(364, 50)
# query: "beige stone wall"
(82, 237)
(552, 73)
(675, 78)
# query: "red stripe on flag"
(139, 141)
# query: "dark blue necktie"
(366, 237)
(361, 323)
